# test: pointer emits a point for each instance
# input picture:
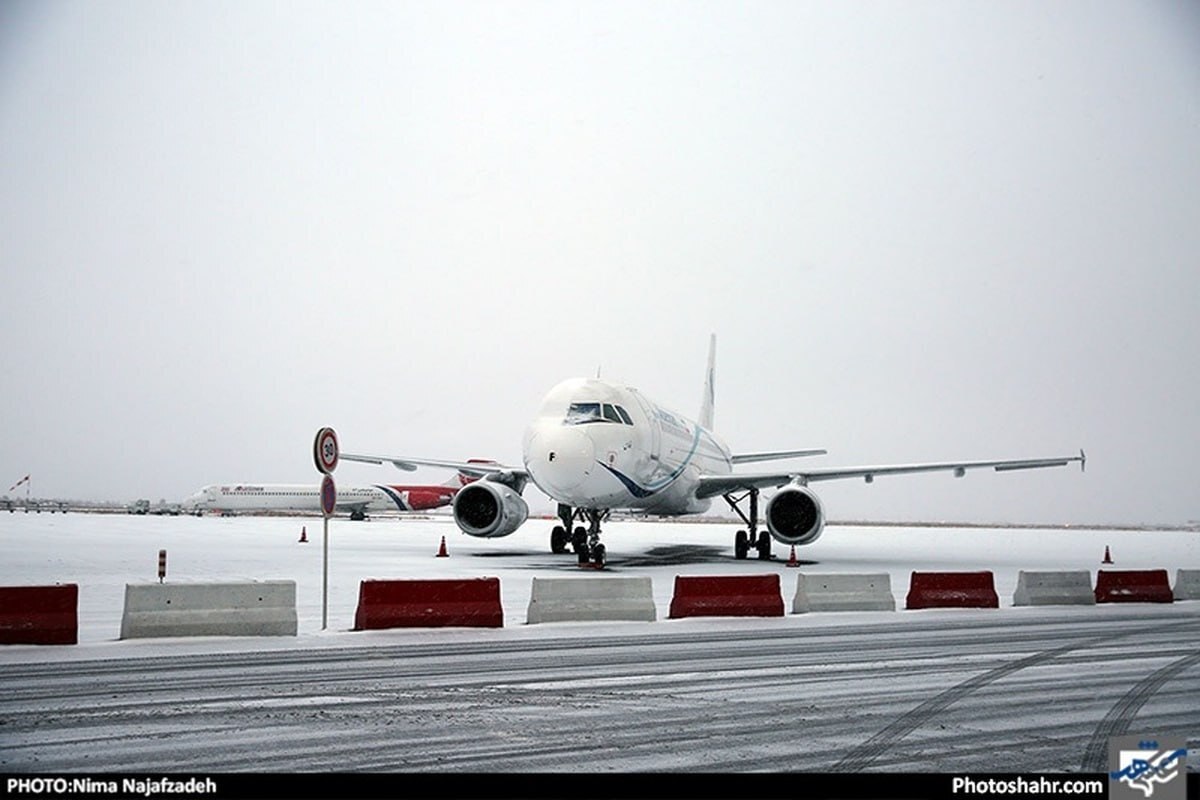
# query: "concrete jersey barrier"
(1054, 589)
(254, 608)
(871, 592)
(727, 596)
(1187, 584)
(1133, 586)
(591, 599)
(39, 614)
(952, 590)
(433, 603)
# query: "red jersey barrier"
(39, 614)
(727, 596)
(470, 603)
(952, 590)
(1133, 586)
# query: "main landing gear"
(754, 538)
(586, 543)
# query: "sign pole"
(328, 504)
(325, 578)
(325, 456)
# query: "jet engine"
(488, 509)
(794, 515)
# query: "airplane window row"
(582, 413)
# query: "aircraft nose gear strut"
(585, 543)
(743, 540)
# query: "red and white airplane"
(356, 501)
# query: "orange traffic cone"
(1107, 556)
(792, 562)
(303, 534)
(441, 553)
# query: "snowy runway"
(1014, 689)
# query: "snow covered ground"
(1014, 689)
(104, 552)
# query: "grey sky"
(920, 231)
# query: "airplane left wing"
(713, 485)
(744, 458)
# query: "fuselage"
(601, 445)
(246, 498)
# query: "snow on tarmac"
(103, 553)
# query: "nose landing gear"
(585, 543)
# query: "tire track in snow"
(1118, 721)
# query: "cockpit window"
(581, 413)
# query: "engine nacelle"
(794, 515)
(488, 509)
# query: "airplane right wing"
(713, 485)
(410, 464)
(512, 476)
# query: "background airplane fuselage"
(601, 445)
(246, 498)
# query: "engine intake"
(488, 509)
(794, 516)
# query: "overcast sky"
(920, 230)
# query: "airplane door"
(652, 438)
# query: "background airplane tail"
(463, 477)
(706, 401)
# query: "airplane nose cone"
(560, 459)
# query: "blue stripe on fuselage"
(392, 493)
(642, 492)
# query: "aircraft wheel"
(741, 545)
(599, 556)
(558, 540)
(579, 543)
(764, 546)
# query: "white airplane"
(357, 501)
(597, 446)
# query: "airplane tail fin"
(463, 476)
(706, 401)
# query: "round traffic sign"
(325, 450)
(328, 496)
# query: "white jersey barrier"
(591, 599)
(1054, 589)
(266, 608)
(1187, 584)
(871, 592)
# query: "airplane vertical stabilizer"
(706, 402)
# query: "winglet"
(1082, 461)
(708, 400)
